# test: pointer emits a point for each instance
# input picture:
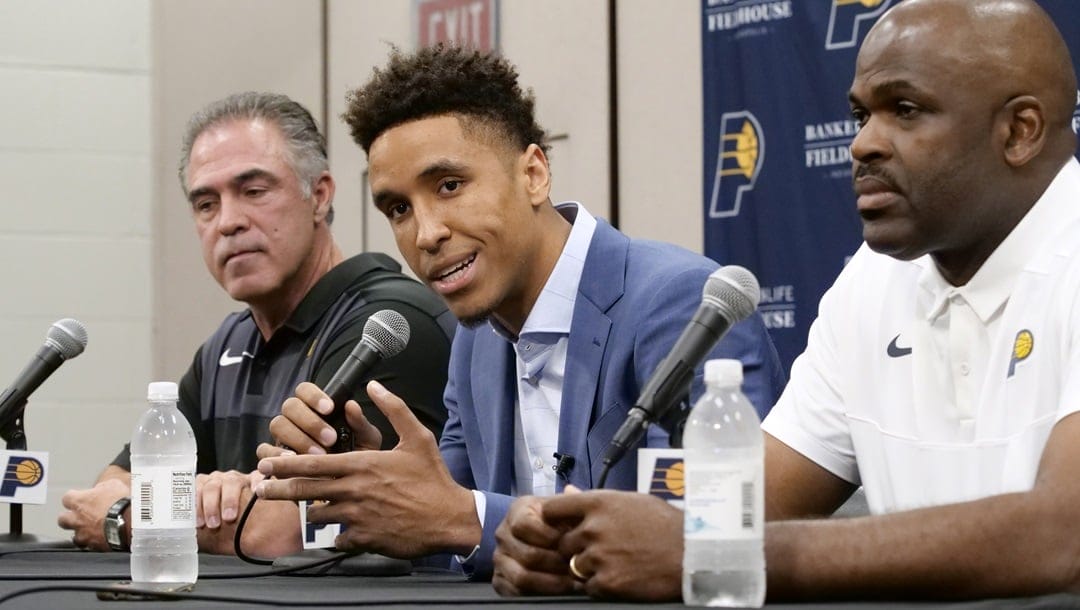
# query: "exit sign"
(471, 23)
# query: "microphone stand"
(671, 419)
(674, 420)
(15, 436)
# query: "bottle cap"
(725, 373)
(162, 390)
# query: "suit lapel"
(600, 287)
(496, 395)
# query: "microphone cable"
(237, 548)
(125, 576)
(113, 593)
(603, 475)
(240, 530)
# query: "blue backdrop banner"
(777, 189)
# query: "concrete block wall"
(75, 149)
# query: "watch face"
(112, 533)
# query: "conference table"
(68, 578)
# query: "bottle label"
(723, 501)
(163, 497)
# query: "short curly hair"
(444, 79)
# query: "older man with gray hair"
(254, 169)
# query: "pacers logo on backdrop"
(849, 18)
(22, 477)
(667, 479)
(738, 162)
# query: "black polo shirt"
(238, 381)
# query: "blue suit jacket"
(634, 299)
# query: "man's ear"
(537, 174)
(1022, 125)
(323, 192)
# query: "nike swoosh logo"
(227, 360)
(895, 351)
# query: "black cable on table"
(292, 603)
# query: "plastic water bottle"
(724, 556)
(163, 544)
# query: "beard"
(475, 320)
(474, 314)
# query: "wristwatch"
(114, 525)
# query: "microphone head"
(68, 337)
(387, 331)
(734, 290)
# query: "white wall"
(75, 241)
(660, 115)
(560, 49)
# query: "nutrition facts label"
(163, 498)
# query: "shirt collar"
(326, 291)
(553, 311)
(990, 287)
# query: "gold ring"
(574, 571)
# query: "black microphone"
(386, 333)
(65, 340)
(564, 463)
(731, 294)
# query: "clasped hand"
(624, 544)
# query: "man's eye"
(397, 210)
(907, 111)
(449, 186)
(860, 116)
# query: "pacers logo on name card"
(24, 477)
(660, 474)
(667, 480)
(849, 18)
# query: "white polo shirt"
(930, 394)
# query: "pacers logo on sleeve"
(849, 18)
(24, 478)
(1022, 348)
(738, 162)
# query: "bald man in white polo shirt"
(943, 371)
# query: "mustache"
(876, 172)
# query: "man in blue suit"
(564, 319)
